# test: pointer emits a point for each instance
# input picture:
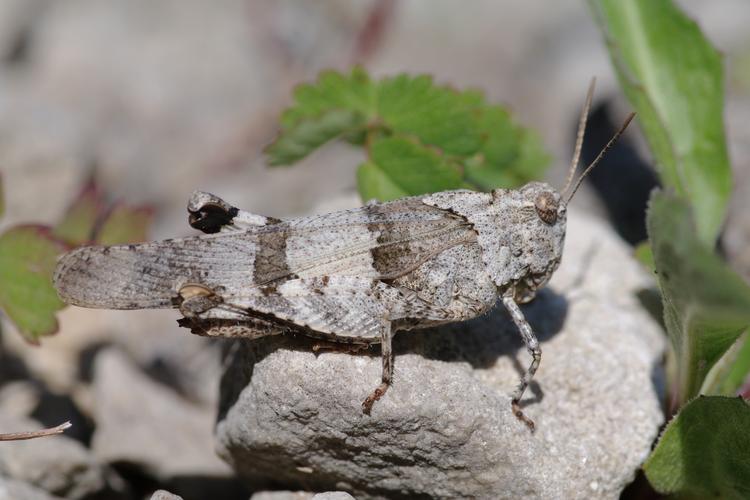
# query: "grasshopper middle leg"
(387, 373)
(532, 345)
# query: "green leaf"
(306, 135)
(484, 176)
(502, 138)
(736, 379)
(353, 92)
(125, 224)
(79, 222)
(2, 197)
(644, 256)
(28, 255)
(673, 78)
(704, 451)
(730, 372)
(409, 168)
(706, 305)
(438, 116)
(461, 132)
(374, 184)
(510, 155)
(532, 159)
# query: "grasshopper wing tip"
(115, 277)
(67, 273)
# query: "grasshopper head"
(540, 221)
(521, 232)
(538, 235)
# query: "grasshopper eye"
(546, 207)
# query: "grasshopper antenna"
(601, 154)
(579, 137)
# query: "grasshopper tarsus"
(518, 412)
(374, 396)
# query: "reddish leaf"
(125, 224)
(80, 221)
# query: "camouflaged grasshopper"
(354, 276)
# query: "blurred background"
(158, 98)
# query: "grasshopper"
(353, 276)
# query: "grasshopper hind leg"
(532, 345)
(386, 336)
(194, 299)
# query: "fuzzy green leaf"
(704, 451)
(410, 169)
(125, 224)
(644, 256)
(353, 92)
(729, 373)
(673, 78)
(736, 379)
(2, 197)
(28, 255)
(706, 305)
(438, 116)
(306, 135)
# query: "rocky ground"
(160, 98)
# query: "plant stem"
(18, 436)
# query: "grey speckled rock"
(145, 424)
(301, 495)
(282, 495)
(164, 495)
(445, 428)
(333, 495)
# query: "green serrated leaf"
(438, 116)
(457, 127)
(706, 305)
(484, 178)
(704, 451)
(28, 255)
(673, 77)
(125, 224)
(374, 184)
(333, 90)
(413, 168)
(79, 222)
(471, 98)
(510, 155)
(307, 134)
(533, 159)
(501, 144)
